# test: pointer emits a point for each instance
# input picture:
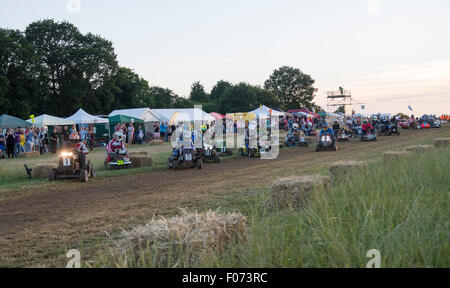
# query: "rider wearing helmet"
(326, 130)
(79, 148)
(117, 143)
(367, 127)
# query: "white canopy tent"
(264, 110)
(82, 117)
(173, 116)
(141, 113)
(48, 120)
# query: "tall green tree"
(198, 93)
(293, 88)
(72, 65)
(244, 97)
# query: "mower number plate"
(120, 163)
(66, 162)
(188, 157)
(208, 152)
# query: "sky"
(389, 53)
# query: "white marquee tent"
(82, 117)
(48, 120)
(141, 113)
(264, 110)
(173, 116)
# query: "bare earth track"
(37, 224)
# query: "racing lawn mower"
(369, 136)
(326, 144)
(221, 148)
(342, 136)
(185, 157)
(209, 153)
(70, 166)
(295, 140)
(118, 160)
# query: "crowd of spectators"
(13, 142)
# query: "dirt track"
(36, 220)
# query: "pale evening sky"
(390, 53)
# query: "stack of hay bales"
(138, 153)
(29, 154)
(311, 140)
(442, 142)
(346, 168)
(141, 161)
(156, 142)
(296, 191)
(419, 148)
(42, 171)
(184, 239)
(395, 155)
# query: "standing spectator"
(10, 143)
(54, 139)
(17, 146)
(29, 140)
(2, 144)
(65, 136)
(130, 134)
(91, 134)
(166, 134)
(140, 135)
(157, 132)
(83, 134)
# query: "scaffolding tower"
(342, 97)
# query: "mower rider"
(367, 128)
(79, 148)
(116, 143)
(336, 127)
(326, 130)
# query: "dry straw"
(140, 162)
(138, 153)
(42, 171)
(442, 142)
(347, 168)
(395, 155)
(29, 154)
(183, 239)
(296, 191)
(156, 142)
(419, 148)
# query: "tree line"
(52, 68)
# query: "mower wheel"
(175, 165)
(84, 176)
(92, 172)
(52, 176)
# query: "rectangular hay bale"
(184, 239)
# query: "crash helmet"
(204, 128)
(118, 136)
(325, 125)
(74, 137)
(295, 126)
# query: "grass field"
(400, 208)
(41, 221)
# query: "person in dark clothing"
(66, 136)
(10, 143)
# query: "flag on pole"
(410, 108)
